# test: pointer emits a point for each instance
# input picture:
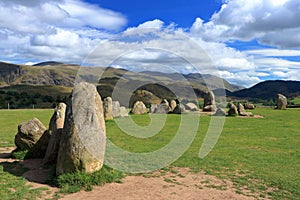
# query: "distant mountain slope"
(269, 90)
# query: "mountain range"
(57, 79)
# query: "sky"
(242, 41)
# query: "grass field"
(260, 156)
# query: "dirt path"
(178, 184)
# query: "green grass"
(74, 182)
(10, 119)
(256, 154)
(296, 100)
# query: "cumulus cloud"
(272, 22)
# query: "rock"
(173, 104)
(39, 149)
(232, 110)
(249, 106)
(191, 107)
(210, 108)
(108, 108)
(163, 107)
(29, 133)
(83, 139)
(116, 108)
(139, 108)
(240, 108)
(220, 112)
(123, 112)
(209, 99)
(179, 109)
(55, 130)
(281, 102)
(153, 108)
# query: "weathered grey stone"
(139, 108)
(191, 107)
(29, 133)
(173, 104)
(179, 109)
(123, 111)
(153, 108)
(116, 108)
(241, 108)
(281, 102)
(209, 102)
(163, 107)
(108, 108)
(55, 130)
(220, 112)
(249, 106)
(38, 150)
(210, 108)
(232, 110)
(83, 139)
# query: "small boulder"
(281, 102)
(191, 107)
(108, 108)
(249, 106)
(163, 107)
(123, 111)
(242, 111)
(29, 133)
(83, 140)
(232, 110)
(220, 112)
(153, 108)
(139, 108)
(179, 109)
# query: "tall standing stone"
(83, 139)
(108, 108)
(55, 130)
(281, 102)
(173, 105)
(209, 102)
(116, 108)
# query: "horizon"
(247, 42)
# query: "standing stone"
(29, 133)
(123, 112)
(220, 112)
(139, 108)
(209, 102)
(83, 139)
(281, 102)
(232, 110)
(179, 109)
(173, 104)
(108, 108)
(163, 107)
(55, 130)
(116, 108)
(153, 108)
(191, 107)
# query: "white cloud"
(273, 52)
(272, 22)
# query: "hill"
(269, 89)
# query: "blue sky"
(242, 41)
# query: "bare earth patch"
(178, 183)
